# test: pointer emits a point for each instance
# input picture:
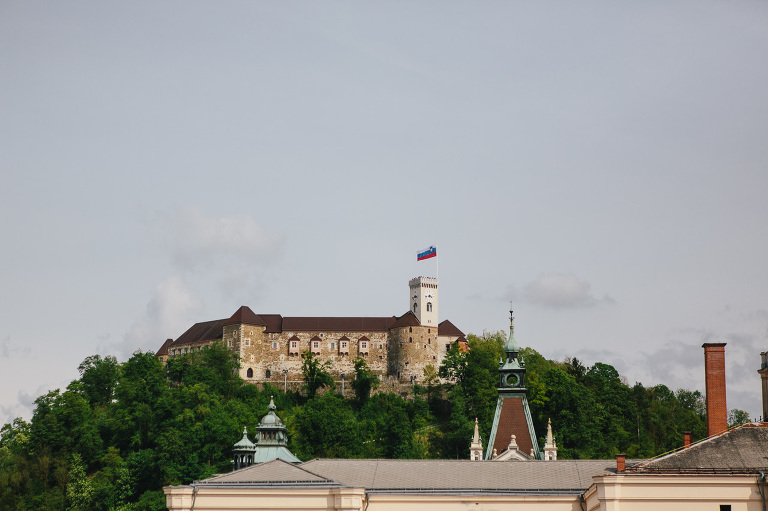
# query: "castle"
(270, 347)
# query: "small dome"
(244, 443)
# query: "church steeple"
(513, 415)
(512, 369)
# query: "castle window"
(275, 345)
(410, 329)
(425, 346)
(249, 373)
(267, 374)
(429, 306)
(414, 308)
(447, 347)
(333, 345)
(429, 341)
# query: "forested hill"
(113, 438)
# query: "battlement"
(429, 282)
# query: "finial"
(476, 436)
(271, 404)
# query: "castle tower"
(423, 300)
(513, 415)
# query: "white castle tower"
(423, 291)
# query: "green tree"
(365, 381)
(737, 417)
(98, 378)
(79, 488)
(316, 375)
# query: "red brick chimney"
(714, 369)
(620, 462)
(686, 439)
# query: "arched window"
(410, 329)
(429, 306)
(250, 373)
(268, 374)
(410, 339)
(414, 307)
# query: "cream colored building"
(722, 473)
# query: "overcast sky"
(601, 164)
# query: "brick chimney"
(686, 439)
(621, 462)
(714, 369)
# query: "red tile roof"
(244, 315)
(275, 323)
(512, 422)
(447, 329)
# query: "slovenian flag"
(427, 253)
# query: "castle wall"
(272, 352)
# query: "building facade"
(271, 347)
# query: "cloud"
(170, 311)
(562, 290)
(199, 241)
(10, 350)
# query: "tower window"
(429, 306)
(410, 339)
(267, 374)
(414, 307)
(249, 373)
(410, 329)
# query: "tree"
(79, 488)
(737, 417)
(98, 378)
(316, 375)
(365, 381)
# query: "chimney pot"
(686, 439)
(620, 462)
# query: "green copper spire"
(511, 346)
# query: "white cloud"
(171, 310)
(197, 240)
(11, 350)
(562, 290)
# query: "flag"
(427, 253)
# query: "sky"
(602, 165)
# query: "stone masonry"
(271, 347)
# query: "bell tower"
(513, 415)
(423, 300)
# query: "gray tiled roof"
(740, 450)
(461, 475)
(272, 472)
(418, 476)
